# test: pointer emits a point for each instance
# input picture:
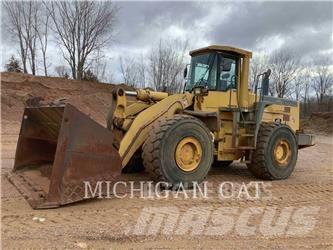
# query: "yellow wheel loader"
(177, 137)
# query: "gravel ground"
(112, 222)
(300, 207)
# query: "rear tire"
(276, 152)
(161, 150)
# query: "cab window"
(203, 71)
(226, 73)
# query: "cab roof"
(222, 48)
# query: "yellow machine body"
(146, 106)
(216, 118)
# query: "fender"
(138, 131)
(211, 119)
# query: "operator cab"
(215, 68)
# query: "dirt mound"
(319, 122)
(94, 99)
(18, 90)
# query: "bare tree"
(134, 71)
(61, 71)
(82, 28)
(305, 89)
(30, 22)
(129, 72)
(300, 83)
(284, 65)
(89, 75)
(323, 81)
(42, 31)
(166, 63)
(22, 20)
(142, 72)
(259, 64)
(98, 66)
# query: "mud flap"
(58, 150)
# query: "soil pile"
(19, 90)
(94, 99)
(319, 122)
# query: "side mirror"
(265, 82)
(267, 73)
(185, 72)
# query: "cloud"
(252, 23)
(303, 27)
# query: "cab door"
(224, 92)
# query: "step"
(229, 109)
(240, 135)
(229, 150)
(246, 147)
(246, 135)
(238, 148)
(247, 122)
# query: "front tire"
(276, 152)
(179, 150)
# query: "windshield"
(202, 71)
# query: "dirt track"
(104, 223)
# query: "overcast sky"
(304, 27)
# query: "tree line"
(161, 68)
(311, 83)
(80, 29)
(83, 30)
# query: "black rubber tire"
(221, 164)
(263, 164)
(159, 150)
(135, 165)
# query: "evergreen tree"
(89, 76)
(13, 65)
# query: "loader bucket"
(60, 148)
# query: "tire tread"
(258, 164)
(151, 147)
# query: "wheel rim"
(282, 152)
(188, 154)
